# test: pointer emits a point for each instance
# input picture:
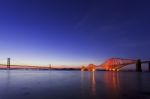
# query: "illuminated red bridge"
(115, 64)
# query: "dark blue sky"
(74, 32)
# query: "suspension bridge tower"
(50, 66)
(8, 63)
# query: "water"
(21, 84)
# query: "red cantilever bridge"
(115, 64)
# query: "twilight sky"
(74, 32)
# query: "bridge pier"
(50, 66)
(149, 66)
(138, 66)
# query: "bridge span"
(115, 64)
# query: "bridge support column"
(50, 66)
(149, 66)
(138, 66)
(8, 63)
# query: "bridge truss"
(116, 63)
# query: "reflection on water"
(74, 85)
(82, 82)
(93, 83)
(111, 80)
(115, 85)
(8, 80)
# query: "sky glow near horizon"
(73, 32)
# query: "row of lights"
(90, 70)
(113, 69)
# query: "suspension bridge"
(9, 65)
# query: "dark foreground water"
(21, 84)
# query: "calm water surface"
(21, 84)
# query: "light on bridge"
(82, 68)
(93, 69)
